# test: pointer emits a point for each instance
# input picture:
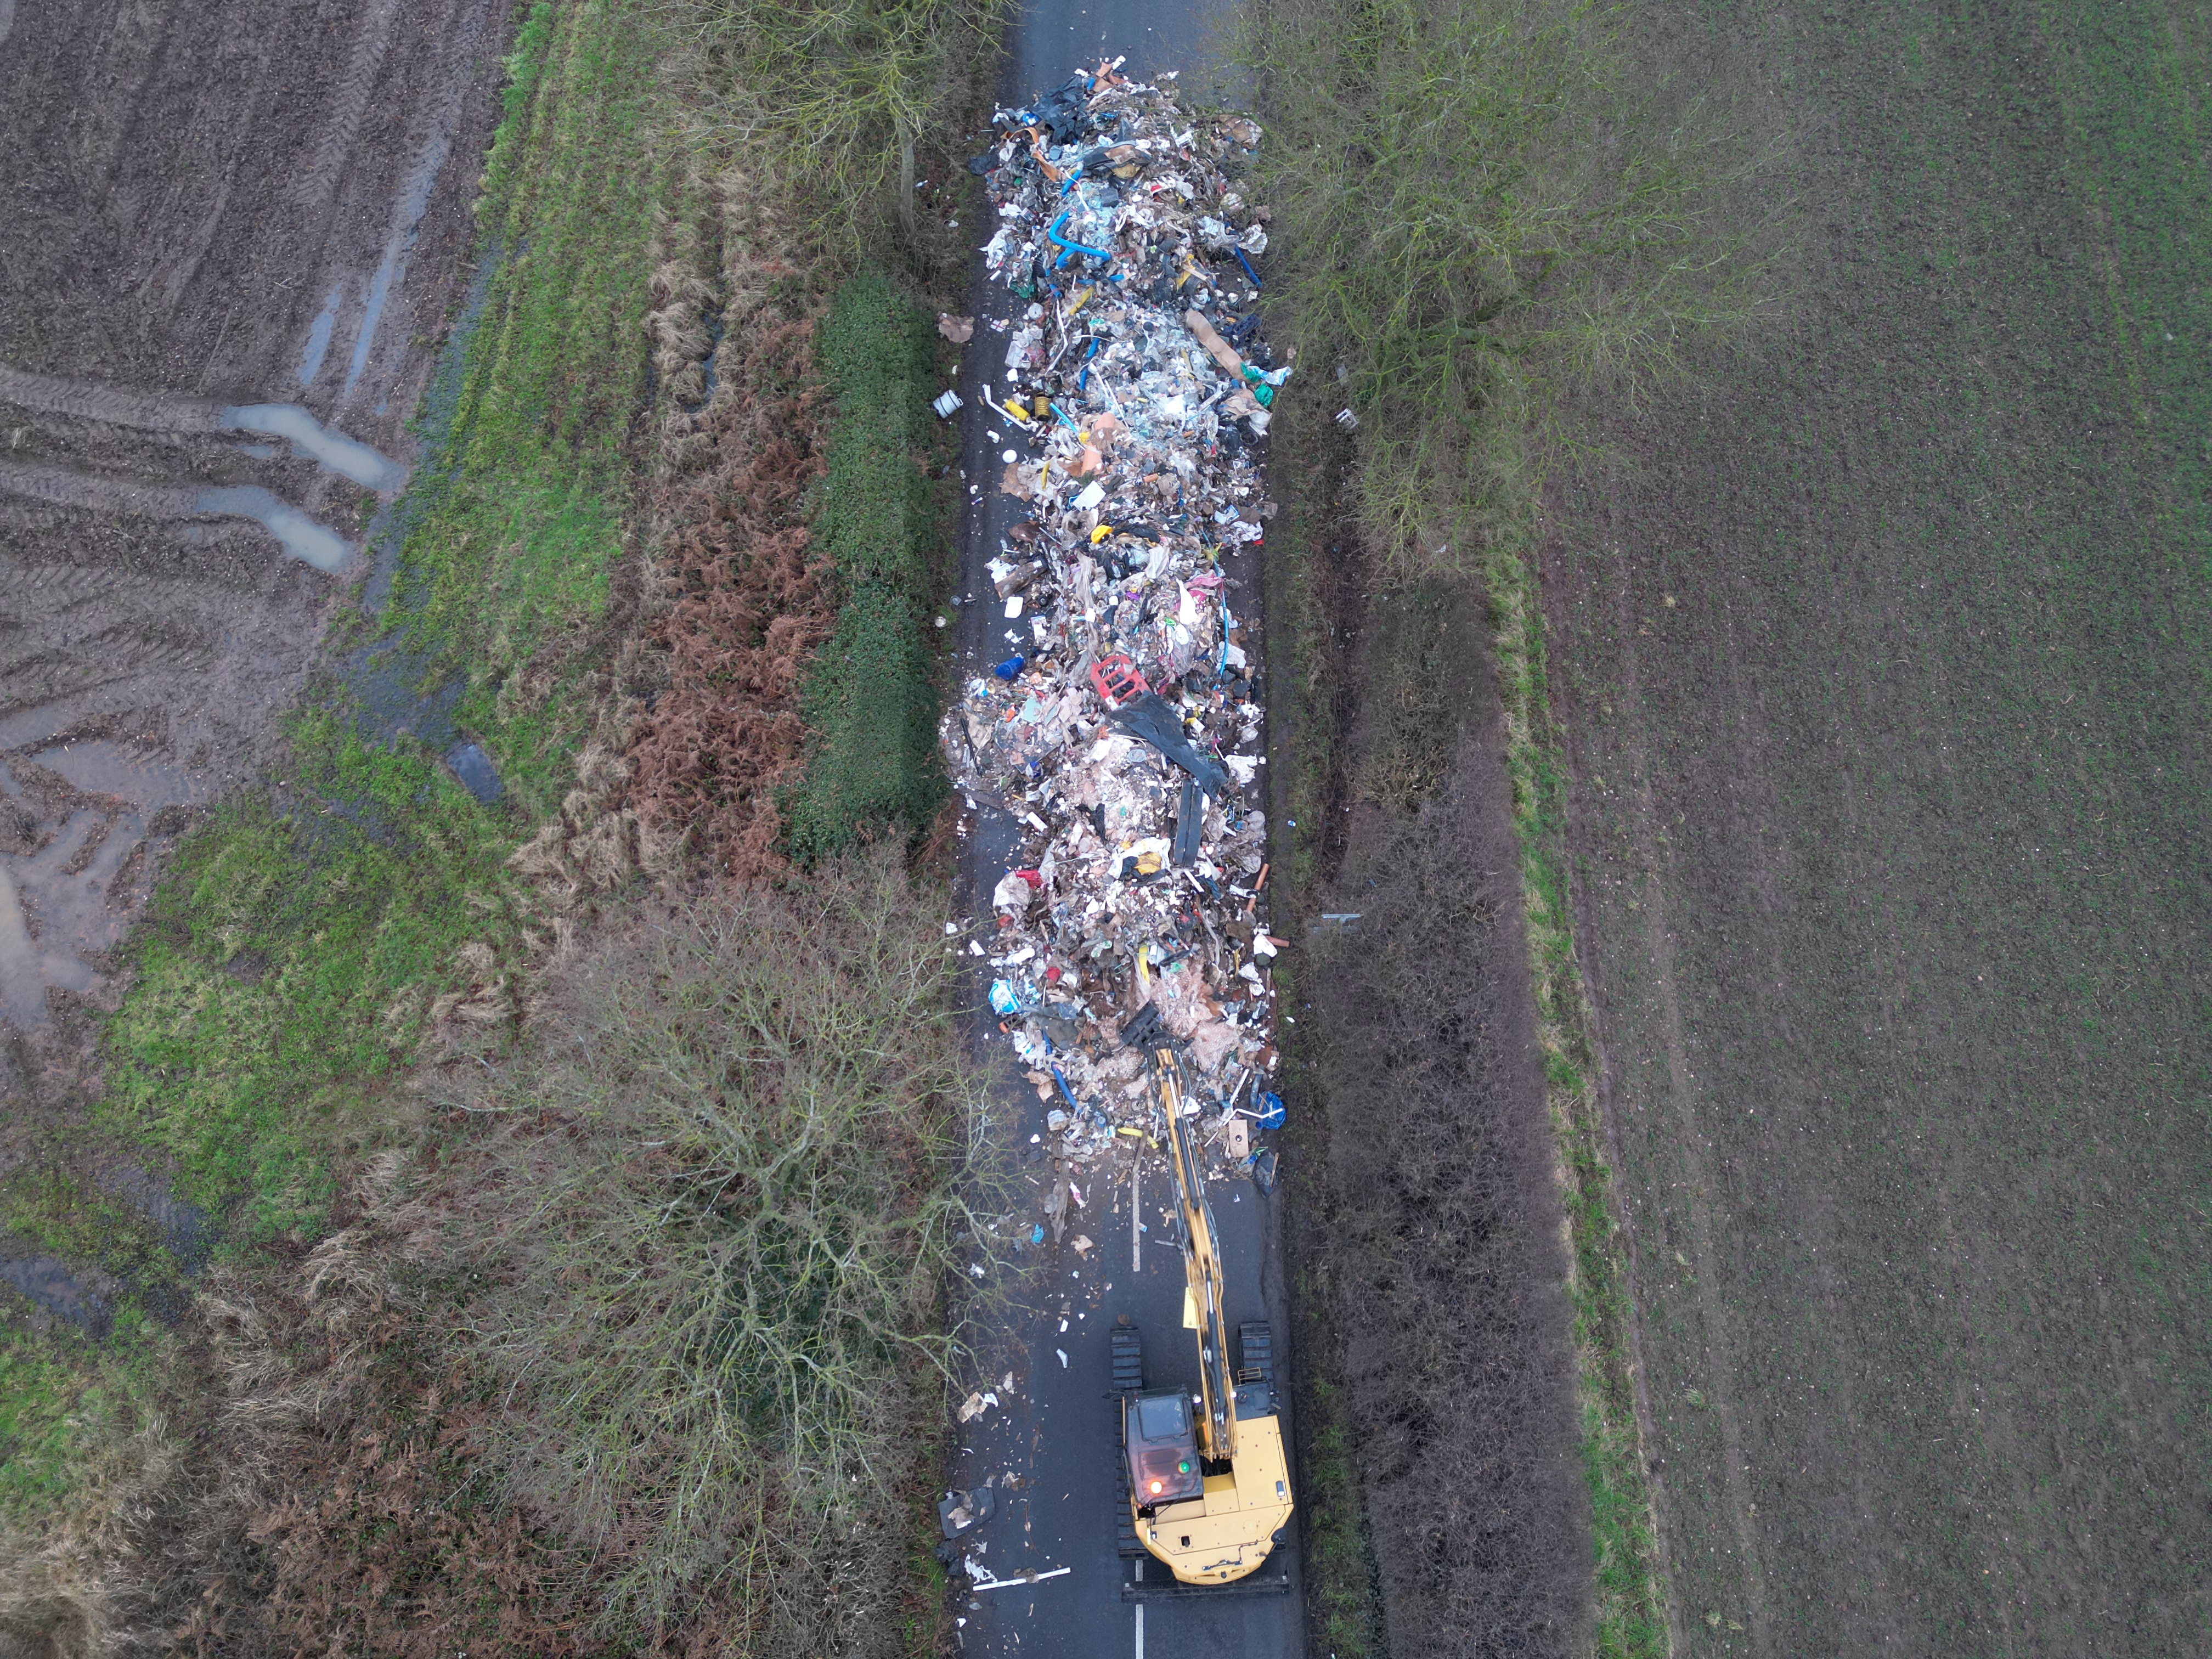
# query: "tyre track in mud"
(310, 438)
(114, 405)
(1697, 1197)
(349, 107)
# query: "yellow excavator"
(1209, 1487)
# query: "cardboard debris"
(1129, 398)
(976, 1405)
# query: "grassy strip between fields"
(1631, 1612)
(871, 700)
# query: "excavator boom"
(1202, 1286)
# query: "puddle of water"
(388, 531)
(104, 767)
(321, 824)
(77, 919)
(347, 457)
(25, 969)
(47, 1280)
(85, 1296)
(302, 537)
(185, 1228)
(476, 772)
(319, 336)
(414, 203)
(387, 678)
(379, 290)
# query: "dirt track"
(231, 233)
(1885, 671)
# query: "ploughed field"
(1882, 655)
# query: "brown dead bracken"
(749, 605)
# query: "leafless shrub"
(717, 1214)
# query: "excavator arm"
(1203, 1296)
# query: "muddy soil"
(1449, 1516)
(233, 233)
(1882, 658)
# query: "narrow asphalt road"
(1051, 1446)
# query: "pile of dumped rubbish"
(1124, 732)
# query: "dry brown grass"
(739, 600)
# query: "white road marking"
(1141, 1630)
(1136, 1227)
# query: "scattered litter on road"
(1123, 737)
(976, 1405)
(985, 1582)
(963, 1511)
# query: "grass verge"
(1632, 1595)
(871, 700)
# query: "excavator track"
(1129, 1350)
(1255, 1351)
(1126, 1542)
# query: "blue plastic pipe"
(1060, 241)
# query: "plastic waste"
(1150, 718)
(959, 1512)
(1120, 734)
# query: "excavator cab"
(1162, 1438)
